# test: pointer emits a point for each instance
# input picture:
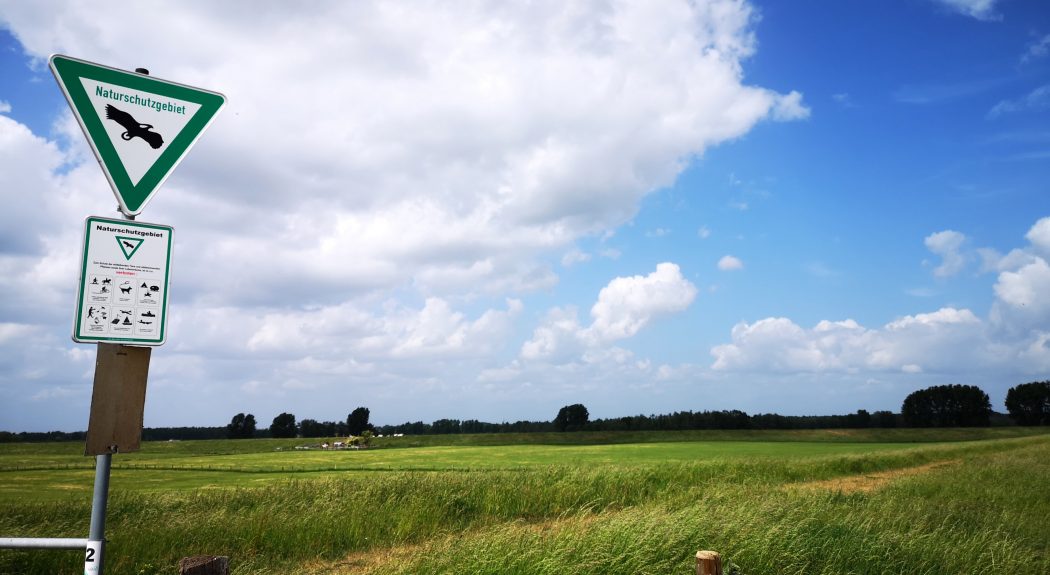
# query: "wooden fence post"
(204, 565)
(708, 563)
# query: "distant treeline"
(165, 433)
(148, 434)
(41, 436)
(449, 426)
(680, 420)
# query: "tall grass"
(570, 519)
(987, 516)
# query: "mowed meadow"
(814, 502)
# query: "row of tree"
(937, 406)
(968, 406)
(244, 426)
(570, 418)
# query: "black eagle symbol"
(132, 127)
(129, 245)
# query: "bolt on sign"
(123, 290)
(139, 127)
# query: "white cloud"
(573, 257)
(624, 307)
(704, 232)
(1039, 236)
(1027, 288)
(58, 392)
(790, 107)
(776, 342)
(993, 261)
(922, 342)
(730, 263)
(29, 164)
(1037, 353)
(947, 245)
(628, 304)
(537, 127)
(1037, 49)
(556, 339)
(12, 331)
(979, 9)
(1036, 100)
(943, 316)
(5, 107)
(948, 341)
(435, 330)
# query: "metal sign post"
(96, 543)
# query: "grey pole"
(97, 534)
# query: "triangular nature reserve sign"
(139, 127)
(128, 246)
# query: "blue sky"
(806, 208)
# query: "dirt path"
(869, 482)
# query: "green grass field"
(858, 501)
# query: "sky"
(490, 210)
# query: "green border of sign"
(68, 72)
(83, 283)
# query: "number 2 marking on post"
(91, 557)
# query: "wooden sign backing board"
(118, 399)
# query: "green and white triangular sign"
(128, 246)
(139, 127)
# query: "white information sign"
(123, 295)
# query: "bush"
(1029, 403)
(571, 418)
(947, 406)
